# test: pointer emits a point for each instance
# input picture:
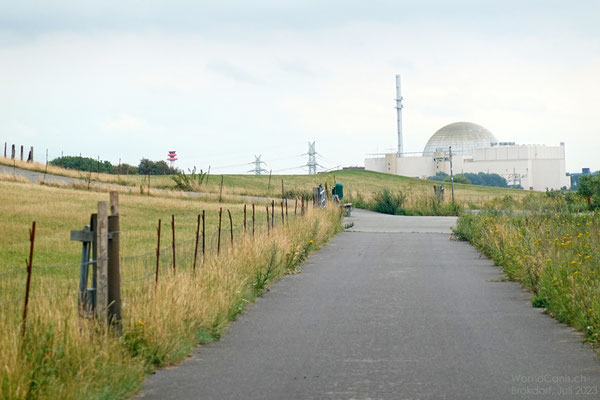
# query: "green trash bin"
(339, 190)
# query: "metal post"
(451, 174)
(399, 117)
(197, 238)
(157, 253)
(203, 236)
(173, 239)
(219, 232)
(230, 227)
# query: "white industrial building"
(474, 149)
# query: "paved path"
(385, 313)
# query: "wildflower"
(589, 310)
(575, 273)
(140, 323)
(573, 262)
(310, 241)
(548, 260)
(554, 280)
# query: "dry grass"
(356, 182)
(63, 356)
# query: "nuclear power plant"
(475, 149)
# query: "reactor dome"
(464, 137)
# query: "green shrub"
(388, 202)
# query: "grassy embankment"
(63, 356)
(360, 186)
(551, 249)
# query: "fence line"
(135, 269)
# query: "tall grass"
(556, 255)
(64, 356)
(405, 202)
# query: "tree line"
(480, 179)
(145, 166)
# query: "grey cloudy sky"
(222, 81)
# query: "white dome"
(464, 137)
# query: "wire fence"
(59, 283)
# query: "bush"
(388, 202)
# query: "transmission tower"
(258, 169)
(312, 159)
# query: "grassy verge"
(556, 255)
(63, 356)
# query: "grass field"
(59, 210)
(64, 356)
(356, 183)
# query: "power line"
(258, 169)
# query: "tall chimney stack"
(399, 114)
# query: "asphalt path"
(390, 310)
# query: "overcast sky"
(221, 81)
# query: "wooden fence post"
(28, 284)
(219, 232)
(5, 146)
(13, 152)
(203, 236)
(268, 223)
(282, 217)
(173, 239)
(272, 213)
(21, 152)
(102, 262)
(114, 264)
(286, 209)
(230, 227)
(252, 219)
(157, 254)
(221, 190)
(244, 219)
(296, 207)
(197, 238)
(269, 187)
